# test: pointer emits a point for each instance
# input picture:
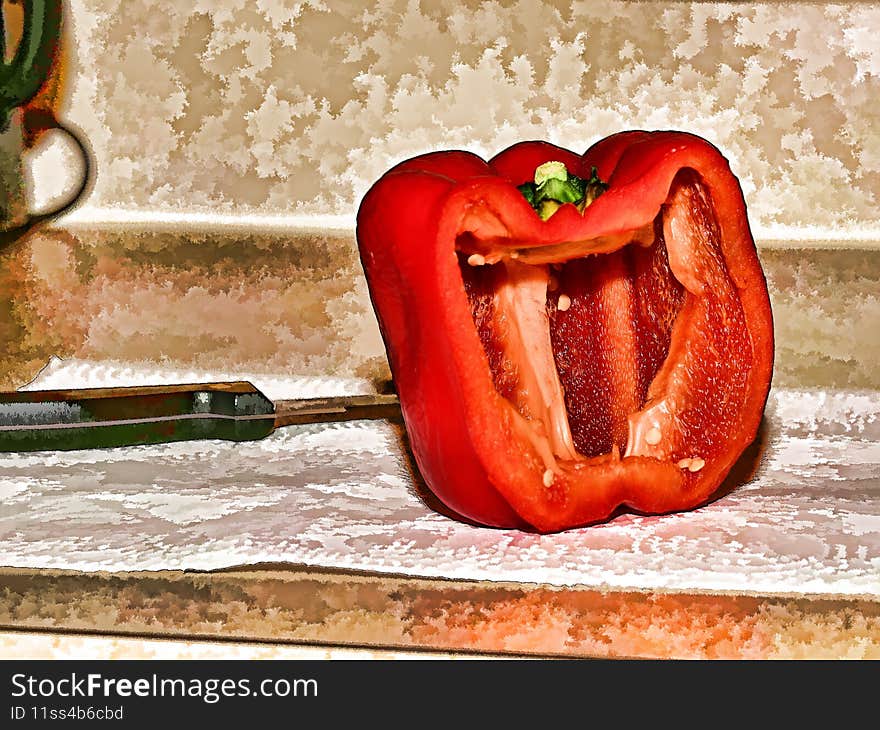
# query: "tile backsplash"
(275, 107)
(271, 118)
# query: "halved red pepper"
(551, 371)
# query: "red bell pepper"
(618, 353)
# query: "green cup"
(21, 77)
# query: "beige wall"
(282, 107)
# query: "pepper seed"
(548, 477)
(564, 302)
(476, 259)
(684, 463)
(653, 436)
(696, 464)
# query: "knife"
(97, 418)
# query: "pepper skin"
(551, 372)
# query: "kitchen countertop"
(801, 516)
(323, 535)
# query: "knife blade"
(96, 418)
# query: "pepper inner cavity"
(515, 326)
(574, 344)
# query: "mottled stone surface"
(826, 306)
(237, 106)
(35, 645)
(334, 610)
(289, 303)
(279, 303)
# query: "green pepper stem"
(554, 186)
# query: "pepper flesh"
(662, 347)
